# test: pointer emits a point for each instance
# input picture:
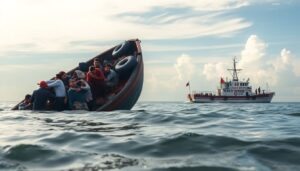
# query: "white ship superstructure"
(233, 91)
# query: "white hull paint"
(232, 91)
(266, 98)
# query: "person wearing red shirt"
(96, 79)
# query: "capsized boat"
(128, 63)
(232, 91)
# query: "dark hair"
(79, 83)
(108, 65)
(60, 74)
(28, 96)
(96, 59)
(91, 68)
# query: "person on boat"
(97, 64)
(65, 78)
(41, 96)
(96, 79)
(76, 96)
(86, 87)
(258, 90)
(60, 92)
(112, 78)
(26, 104)
(255, 91)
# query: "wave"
(28, 152)
(196, 168)
(294, 114)
(108, 162)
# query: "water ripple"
(154, 136)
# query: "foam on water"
(154, 136)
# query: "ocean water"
(158, 136)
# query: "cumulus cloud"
(184, 67)
(212, 71)
(283, 61)
(258, 66)
(169, 78)
(253, 51)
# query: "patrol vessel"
(232, 91)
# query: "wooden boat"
(126, 93)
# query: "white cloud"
(168, 81)
(50, 25)
(283, 61)
(184, 67)
(212, 71)
(253, 51)
(281, 71)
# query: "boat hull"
(261, 98)
(129, 95)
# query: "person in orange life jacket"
(41, 96)
(60, 92)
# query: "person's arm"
(52, 83)
(85, 86)
(98, 77)
(21, 106)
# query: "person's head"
(96, 63)
(91, 69)
(72, 84)
(80, 74)
(27, 98)
(43, 84)
(74, 76)
(107, 68)
(60, 75)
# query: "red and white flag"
(222, 81)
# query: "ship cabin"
(235, 88)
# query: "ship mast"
(233, 71)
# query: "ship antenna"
(234, 71)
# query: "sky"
(182, 41)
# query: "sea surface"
(157, 136)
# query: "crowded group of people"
(80, 91)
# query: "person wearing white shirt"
(60, 92)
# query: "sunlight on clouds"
(283, 60)
(170, 79)
(257, 66)
(212, 71)
(253, 52)
(184, 67)
(51, 25)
